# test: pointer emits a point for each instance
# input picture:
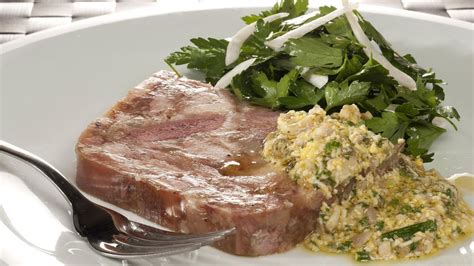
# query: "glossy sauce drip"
(243, 164)
(465, 184)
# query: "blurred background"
(19, 18)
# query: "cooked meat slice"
(187, 156)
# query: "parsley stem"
(173, 68)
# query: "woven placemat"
(21, 17)
(457, 9)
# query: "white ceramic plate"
(52, 84)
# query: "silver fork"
(108, 232)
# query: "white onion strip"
(401, 77)
(277, 43)
(227, 78)
(316, 80)
(301, 19)
(236, 41)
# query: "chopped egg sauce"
(323, 152)
(400, 212)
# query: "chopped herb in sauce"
(332, 145)
(407, 232)
(379, 225)
(364, 221)
(459, 230)
(413, 246)
(362, 256)
(407, 208)
(449, 193)
(394, 202)
(344, 246)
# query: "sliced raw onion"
(227, 78)
(277, 43)
(369, 49)
(302, 18)
(316, 80)
(236, 42)
(376, 46)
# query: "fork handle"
(70, 192)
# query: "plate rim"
(207, 6)
(90, 23)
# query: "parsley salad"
(287, 58)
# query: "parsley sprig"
(276, 80)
